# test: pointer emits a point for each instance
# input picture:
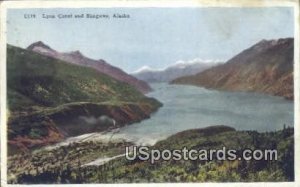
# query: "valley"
(70, 121)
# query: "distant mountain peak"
(38, 44)
(196, 61)
(178, 69)
(144, 69)
(178, 64)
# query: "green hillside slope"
(46, 95)
(35, 80)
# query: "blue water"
(189, 107)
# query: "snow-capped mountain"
(265, 67)
(178, 69)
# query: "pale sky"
(155, 37)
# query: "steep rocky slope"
(76, 57)
(266, 67)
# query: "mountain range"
(265, 67)
(50, 99)
(76, 57)
(179, 69)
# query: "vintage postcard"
(148, 92)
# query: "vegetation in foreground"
(68, 166)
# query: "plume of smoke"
(92, 120)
